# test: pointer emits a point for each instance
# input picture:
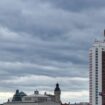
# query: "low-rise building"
(20, 98)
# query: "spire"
(57, 87)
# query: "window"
(27, 98)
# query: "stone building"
(20, 98)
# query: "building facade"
(20, 98)
(97, 73)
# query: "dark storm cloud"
(41, 40)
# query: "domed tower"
(18, 96)
(57, 93)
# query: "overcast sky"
(43, 42)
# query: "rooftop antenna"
(104, 35)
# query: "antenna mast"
(104, 35)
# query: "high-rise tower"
(97, 73)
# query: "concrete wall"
(44, 103)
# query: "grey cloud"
(74, 5)
(34, 81)
(47, 39)
(19, 69)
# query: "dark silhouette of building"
(18, 96)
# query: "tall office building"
(97, 73)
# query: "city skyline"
(43, 42)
